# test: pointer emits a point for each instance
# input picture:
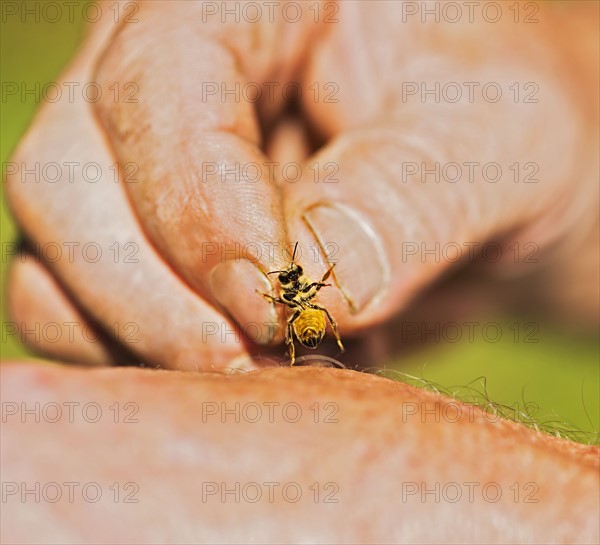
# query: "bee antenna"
(275, 272)
(294, 254)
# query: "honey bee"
(307, 322)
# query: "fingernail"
(246, 363)
(242, 363)
(345, 237)
(234, 284)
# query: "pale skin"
(171, 292)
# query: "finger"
(382, 204)
(348, 448)
(47, 319)
(80, 218)
(288, 144)
(206, 195)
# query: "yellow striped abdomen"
(309, 327)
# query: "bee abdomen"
(310, 327)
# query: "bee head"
(291, 275)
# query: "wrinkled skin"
(374, 439)
(171, 293)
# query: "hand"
(179, 293)
(376, 461)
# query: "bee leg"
(326, 275)
(289, 337)
(272, 299)
(317, 285)
(320, 284)
(333, 323)
(289, 340)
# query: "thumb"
(396, 203)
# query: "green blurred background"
(560, 373)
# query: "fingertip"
(46, 319)
(330, 235)
(237, 285)
(350, 243)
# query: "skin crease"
(382, 434)
(370, 451)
